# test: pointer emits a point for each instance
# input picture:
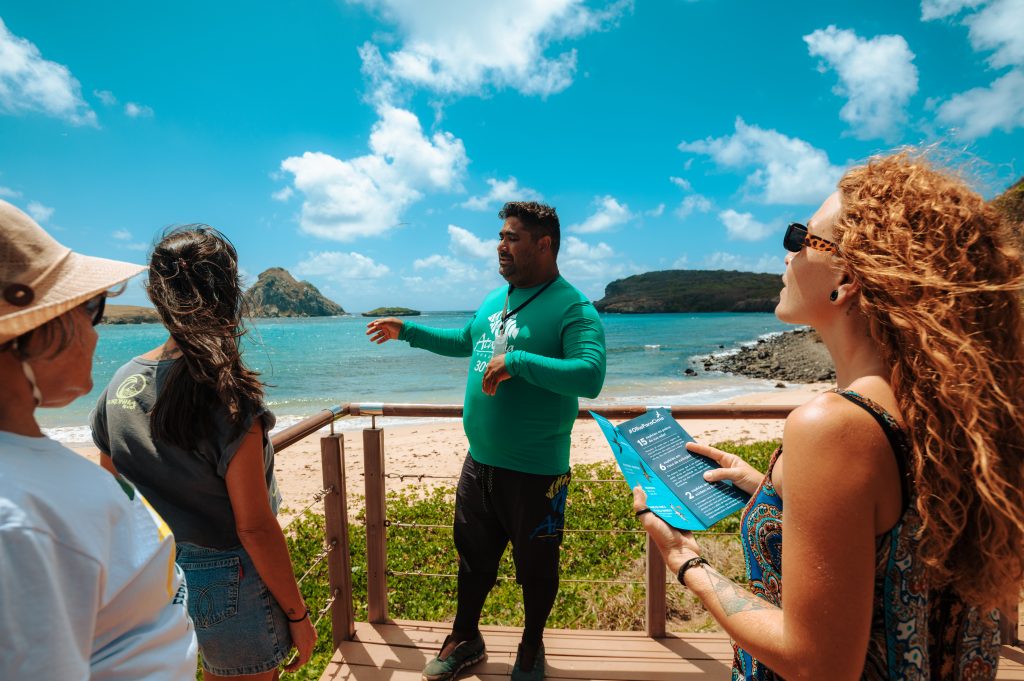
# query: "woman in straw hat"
(186, 422)
(88, 584)
(903, 488)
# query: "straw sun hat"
(41, 280)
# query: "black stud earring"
(832, 296)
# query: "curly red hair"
(941, 279)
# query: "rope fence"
(316, 561)
(568, 530)
(317, 498)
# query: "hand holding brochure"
(651, 452)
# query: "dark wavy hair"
(194, 284)
(539, 219)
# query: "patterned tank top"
(916, 633)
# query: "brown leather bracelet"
(693, 562)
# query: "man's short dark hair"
(539, 219)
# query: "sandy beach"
(437, 449)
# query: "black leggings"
(495, 506)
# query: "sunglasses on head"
(94, 307)
(797, 237)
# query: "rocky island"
(276, 293)
(692, 291)
(129, 314)
(392, 312)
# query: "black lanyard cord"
(505, 316)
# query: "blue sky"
(367, 145)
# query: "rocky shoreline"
(796, 356)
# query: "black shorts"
(495, 506)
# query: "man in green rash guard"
(535, 347)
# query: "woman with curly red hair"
(903, 487)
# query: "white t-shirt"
(88, 585)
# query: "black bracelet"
(693, 562)
(304, 616)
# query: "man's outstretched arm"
(447, 342)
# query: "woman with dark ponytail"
(186, 423)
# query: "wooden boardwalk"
(398, 651)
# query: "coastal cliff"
(692, 291)
(276, 293)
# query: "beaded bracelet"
(693, 562)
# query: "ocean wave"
(82, 435)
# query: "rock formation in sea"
(692, 291)
(129, 314)
(796, 356)
(392, 312)
(276, 293)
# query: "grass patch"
(615, 553)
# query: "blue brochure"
(651, 451)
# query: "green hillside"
(692, 291)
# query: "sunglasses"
(797, 237)
(94, 307)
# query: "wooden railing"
(336, 551)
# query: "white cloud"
(999, 27)
(465, 46)
(39, 212)
(501, 191)
(365, 196)
(105, 96)
(125, 237)
(283, 194)
(453, 270)
(979, 111)
(743, 226)
(876, 75)
(789, 170)
(655, 212)
(29, 83)
(691, 204)
(133, 110)
(995, 27)
(940, 9)
(730, 261)
(465, 243)
(574, 247)
(608, 215)
(590, 264)
(9, 193)
(340, 266)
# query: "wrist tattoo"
(733, 598)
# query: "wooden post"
(339, 569)
(656, 612)
(376, 539)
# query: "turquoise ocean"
(311, 364)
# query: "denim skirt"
(240, 627)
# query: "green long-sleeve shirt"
(555, 355)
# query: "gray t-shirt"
(187, 488)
